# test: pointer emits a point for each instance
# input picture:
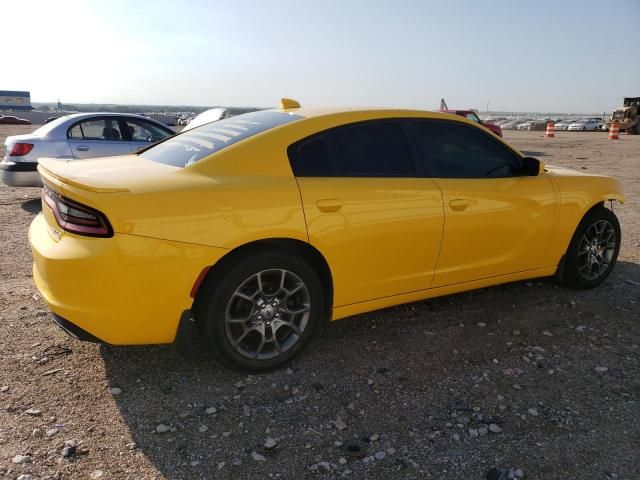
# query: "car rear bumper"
(74, 330)
(20, 174)
(124, 290)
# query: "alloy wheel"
(267, 314)
(597, 249)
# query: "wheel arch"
(601, 203)
(287, 245)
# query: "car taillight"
(20, 149)
(75, 217)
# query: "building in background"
(13, 100)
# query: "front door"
(497, 220)
(378, 225)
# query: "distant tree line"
(100, 107)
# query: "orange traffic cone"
(614, 131)
(550, 130)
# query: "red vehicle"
(11, 120)
(471, 115)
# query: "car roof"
(373, 113)
(103, 114)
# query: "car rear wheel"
(593, 250)
(262, 311)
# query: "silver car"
(75, 137)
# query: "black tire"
(579, 273)
(217, 296)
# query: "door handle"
(82, 148)
(329, 205)
(459, 204)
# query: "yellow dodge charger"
(254, 229)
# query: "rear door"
(497, 221)
(97, 137)
(378, 224)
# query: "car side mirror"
(532, 166)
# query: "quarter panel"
(50, 149)
(186, 207)
(123, 290)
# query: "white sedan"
(524, 125)
(585, 125)
(75, 137)
(563, 125)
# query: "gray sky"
(561, 56)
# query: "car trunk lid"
(107, 185)
(103, 175)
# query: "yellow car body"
(385, 241)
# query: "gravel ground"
(529, 376)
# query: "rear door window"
(372, 149)
(96, 129)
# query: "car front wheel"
(593, 250)
(259, 314)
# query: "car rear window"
(191, 146)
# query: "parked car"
(253, 230)
(537, 125)
(211, 115)
(473, 116)
(524, 125)
(76, 137)
(563, 125)
(11, 120)
(510, 125)
(589, 124)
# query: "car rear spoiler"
(60, 172)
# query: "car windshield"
(189, 147)
(472, 116)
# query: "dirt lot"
(414, 389)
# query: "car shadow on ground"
(33, 206)
(398, 373)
